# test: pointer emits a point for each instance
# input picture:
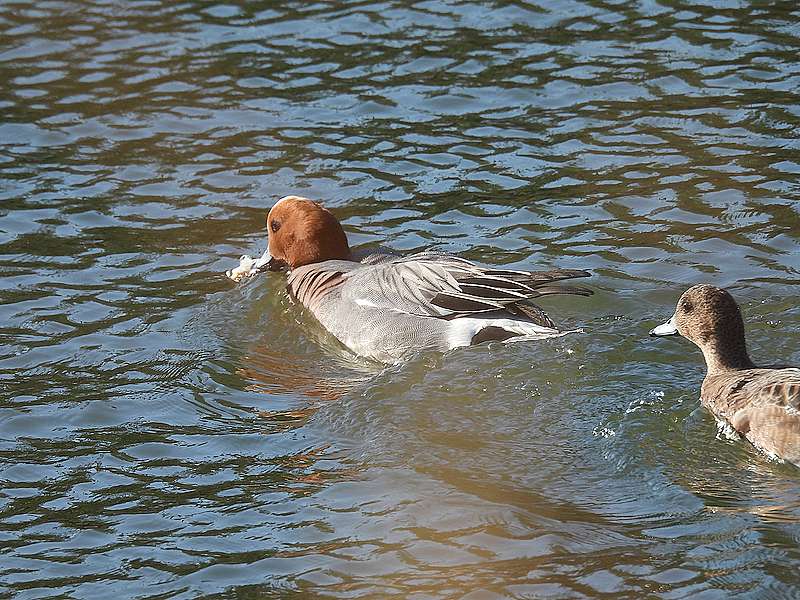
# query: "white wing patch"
(464, 329)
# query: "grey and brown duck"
(761, 403)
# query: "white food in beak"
(248, 266)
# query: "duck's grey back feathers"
(385, 308)
(436, 285)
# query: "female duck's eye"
(687, 307)
(275, 225)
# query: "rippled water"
(166, 433)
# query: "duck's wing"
(764, 406)
(438, 285)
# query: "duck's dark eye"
(687, 306)
(275, 225)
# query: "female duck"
(386, 307)
(760, 403)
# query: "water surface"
(166, 433)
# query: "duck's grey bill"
(668, 328)
(261, 264)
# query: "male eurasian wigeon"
(760, 403)
(386, 307)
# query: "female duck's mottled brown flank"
(763, 404)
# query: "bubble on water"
(604, 432)
(650, 399)
(726, 432)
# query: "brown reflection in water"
(756, 491)
(276, 372)
(309, 476)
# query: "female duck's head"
(710, 317)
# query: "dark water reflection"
(164, 433)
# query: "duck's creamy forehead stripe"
(285, 198)
(281, 201)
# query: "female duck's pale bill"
(386, 307)
(763, 404)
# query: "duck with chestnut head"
(762, 404)
(387, 307)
